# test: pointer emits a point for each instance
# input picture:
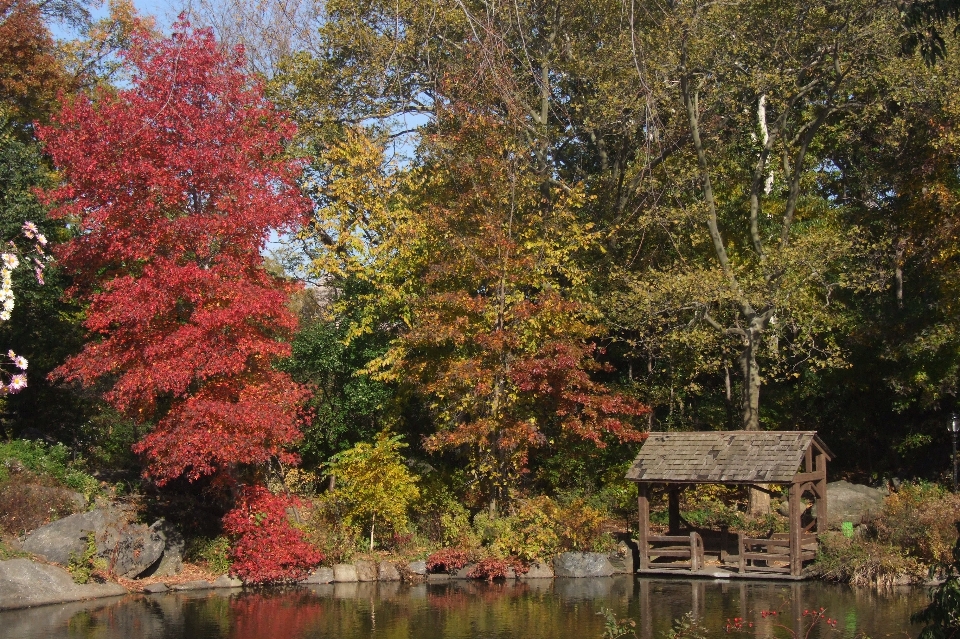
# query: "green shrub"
(211, 553)
(442, 518)
(86, 564)
(50, 460)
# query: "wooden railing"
(683, 547)
(760, 555)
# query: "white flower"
(4, 316)
(10, 261)
(41, 239)
(30, 229)
(18, 382)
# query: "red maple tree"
(173, 186)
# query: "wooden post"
(741, 551)
(643, 506)
(796, 530)
(822, 512)
(674, 509)
(724, 540)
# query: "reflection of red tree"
(284, 615)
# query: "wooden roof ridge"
(740, 456)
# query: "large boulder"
(171, 563)
(345, 573)
(322, 575)
(131, 549)
(60, 539)
(851, 502)
(538, 570)
(417, 567)
(366, 570)
(582, 564)
(846, 502)
(24, 583)
(622, 559)
(387, 571)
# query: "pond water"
(554, 609)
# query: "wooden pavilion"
(677, 460)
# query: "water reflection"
(471, 610)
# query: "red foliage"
(448, 560)
(173, 186)
(493, 568)
(266, 548)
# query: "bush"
(86, 564)
(942, 616)
(920, 519)
(43, 459)
(448, 560)
(211, 553)
(862, 562)
(266, 547)
(440, 516)
(496, 568)
(27, 504)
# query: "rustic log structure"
(677, 460)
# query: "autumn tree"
(174, 185)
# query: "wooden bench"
(775, 548)
(688, 548)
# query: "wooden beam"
(674, 509)
(643, 506)
(795, 529)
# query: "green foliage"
(54, 461)
(374, 488)
(86, 564)
(348, 405)
(686, 627)
(614, 628)
(213, 553)
(442, 518)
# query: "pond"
(555, 609)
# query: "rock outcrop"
(24, 583)
(582, 564)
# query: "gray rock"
(582, 564)
(386, 571)
(438, 577)
(155, 588)
(345, 573)
(131, 549)
(464, 573)
(60, 539)
(622, 559)
(24, 583)
(366, 570)
(417, 567)
(198, 584)
(171, 563)
(226, 581)
(322, 575)
(538, 570)
(851, 502)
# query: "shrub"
(448, 560)
(266, 547)
(942, 615)
(496, 568)
(86, 564)
(920, 519)
(862, 562)
(211, 553)
(443, 519)
(47, 460)
(26, 504)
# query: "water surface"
(554, 609)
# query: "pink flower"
(17, 383)
(30, 229)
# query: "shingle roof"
(732, 456)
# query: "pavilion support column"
(674, 509)
(643, 506)
(822, 506)
(796, 530)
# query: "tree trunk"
(750, 405)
